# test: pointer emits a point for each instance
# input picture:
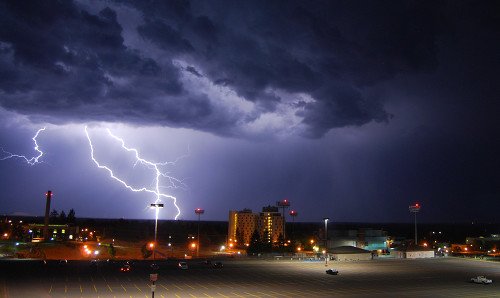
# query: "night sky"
(352, 110)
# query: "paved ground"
(252, 278)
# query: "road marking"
(65, 289)
(177, 287)
(207, 295)
(109, 288)
(192, 295)
(177, 296)
(251, 294)
(95, 289)
(50, 290)
(276, 293)
(81, 289)
(202, 286)
(214, 285)
(189, 286)
(163, 287)
(137, 288)
(123, 288)
(264, 294)
(237, 295)
(222, 295)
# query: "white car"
(481, 280)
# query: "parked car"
(183, 265)
(332, 271)
(481, 280)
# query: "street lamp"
(293, 213)
(283, 204)
(415, 209)
(198, 211)
(326, 219)
(157, 206)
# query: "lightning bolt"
(154, 166)
(31, 161)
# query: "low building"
(56, 232)
(365, 238)
(349, 253)
(415, 252)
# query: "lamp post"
(198, 211)
(415, 209)
(157, 206)
(46, 219)
(326, 240)
(283, 204)
(293, 213)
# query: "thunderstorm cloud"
(64, 62)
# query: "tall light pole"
(157, 206)
(415, 209)
(326, 219)
(293, 213)
(198, 211)
(46, 219)
(283, 204)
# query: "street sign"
(153, 277)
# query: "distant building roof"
(348, 250)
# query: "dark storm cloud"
(63, 63)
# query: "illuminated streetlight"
(198, 211)
(283, 204)
(293, 213)
(326, 219)
(415, 209)
(157, 206)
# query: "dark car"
(125, 268)
(183, 265)
(332, 271)
(217, 265)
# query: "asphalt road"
(252, 278)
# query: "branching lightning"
(155, 167)
(31, 161)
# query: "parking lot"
(251, 278)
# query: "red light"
(416, 204)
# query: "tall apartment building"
(244, 222)
(269, 224)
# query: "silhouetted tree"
(53, 216)
(71, 216)
(112, 250)
(255, 243)
(146, 253)
(62, 217)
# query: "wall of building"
(352, 257)
(420, 254)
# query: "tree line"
(56, 217)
